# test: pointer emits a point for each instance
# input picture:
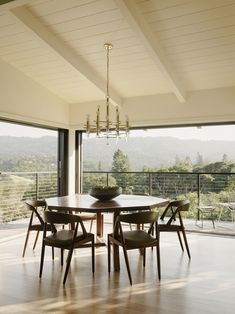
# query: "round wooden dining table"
(87, 203)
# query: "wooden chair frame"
(33, 205)
(122, 238)
(175, 208)
(204, 210)
(66, 239)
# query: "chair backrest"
(37, 203)
(139, 218)
(53, 217)
(174, 208)
(143, 217)
(182, 205)
(60, 218)
(33, 206)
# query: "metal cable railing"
(211, 188)
(206, 187)
(15, 187)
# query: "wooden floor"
(206, 284)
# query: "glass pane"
(28, 166)
(197, 163)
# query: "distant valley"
(155, 152)
(151, 152)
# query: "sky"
(222, 132)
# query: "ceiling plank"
(9, 4)
(24, 16)
(138, 24)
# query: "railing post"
(150, 183)
(37, 185)
(107, 178)
(198, 188)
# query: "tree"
(121, 164)
(183, 166)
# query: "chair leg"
(36, 239)
(202, 219)
(42, 260)
(144, 256)
(68, 264)
(26, 242)
(53, 253)
(158, 260)
(186, 243)
(93, 254)
(27, 235)
(212, 218)
(62, 257)
(109, 253)
(127, 264)
(180, 240)
(232, 215)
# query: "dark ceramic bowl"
(105, 193)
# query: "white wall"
(25, 100)
(205, 106)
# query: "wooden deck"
(203, 285)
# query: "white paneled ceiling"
(160, 46)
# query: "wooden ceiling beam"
(140, 27)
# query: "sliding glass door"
(33, 164)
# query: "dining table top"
(87, 203)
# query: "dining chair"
(65, 239)
(174, 221)
(134, 239)
(229, 206)
(203, 210)
(36, 222)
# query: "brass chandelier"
(107, 128)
